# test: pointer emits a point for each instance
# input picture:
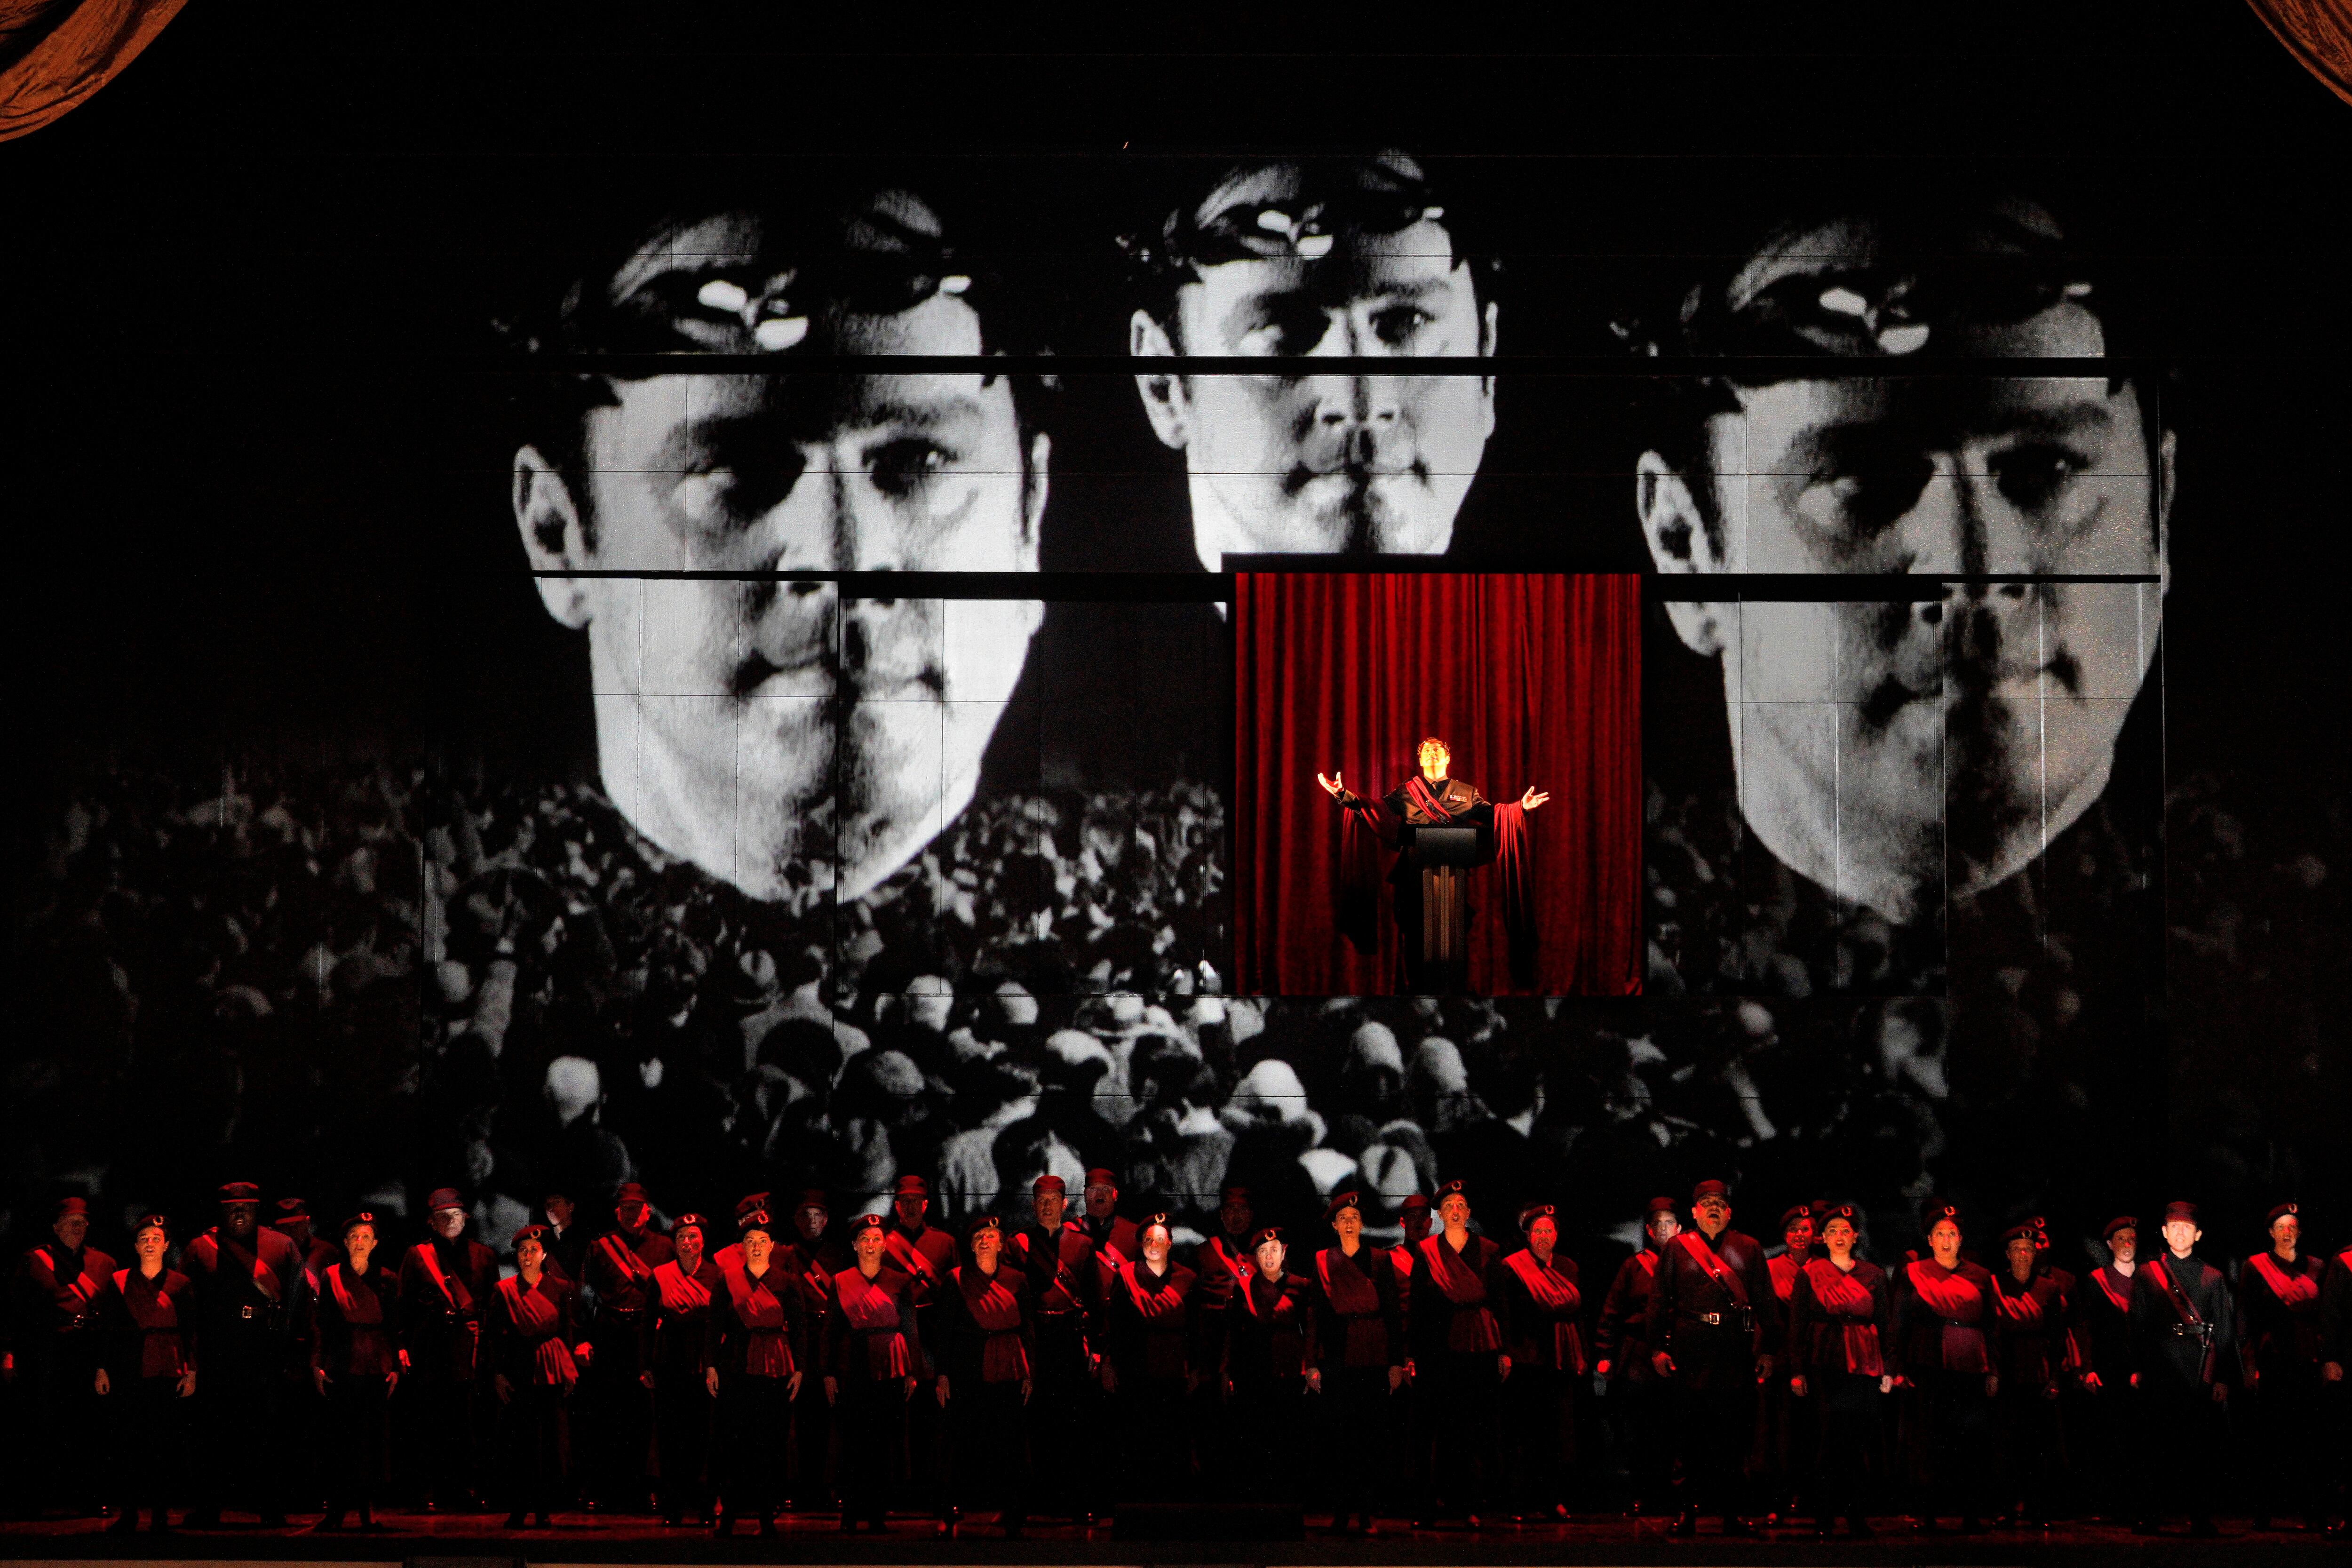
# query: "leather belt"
(1713, 1320)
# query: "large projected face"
(1292, 460)
(1896, 751)
(774, 732)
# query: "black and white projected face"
(1898, 753)
(1291, 460)
(776, 734)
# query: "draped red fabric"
(1529, 680)
(54, 54)
(2318, 33)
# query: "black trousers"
(357, 1410)
(240, 1417)
(2187, 1440)
(60, 1428)
(535, 1446)
(929, 1460)
(1539, 1414)
(814, 1448)
(990, 1466)
(616, 1418)
(1642, 1419)
(1064, 1390)
(1952, 1443)
(2033, 1447)
(1715, 1422)
(440, 1417)
(683, 1415)
(2286, 1443)
(1787, 1438)
(1154, 1427)
(2116, 1456)
(755, 1416)
(1467, 1416)
(1264, 1419)
(873, 1433)
(150, 1433)
(1846, 1415)
(1357, 1442)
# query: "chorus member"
(681, 1353)
(2278, 1313)
(757, 1365)
(1295, 259)
(1219, 1265)
(147, 1367)
(988, 1346)
(52, 1350)
(616, 1406)
(1362, 1338)
(356, 1364)
(2184, 1324)
(2103, 1356)
(1948, 1351)
(253, 1300)
(1543, 1361)
(2335, 1349)
(1270, 1365)
(1785, 1432)
(2036, 1354)
(872, 1353)
(926, 1254)
(1841, 1317)
(1711, 1329)
(814, 1258)
(1059, 1260)
(1457, 1346)
(1638, 1399)
(1148, 1365)
(534, 1347)
(1415, 1424)
(446, 1282)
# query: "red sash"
(1473, 1328)
(2117, 1297)
(1356, 1302)
(1417, 791)
(874, 1313)
(1649, 1262)
(1284, 1347)
(2296, 1292)
(1161, 1308)
(453, 1290)
(1783, 1272)
(1960, 1303)
(632, 1267)
(77, 1289)
(768, 1353)
(2184, 1309)
(908, 1256)
(265, 1278)
(1559, 1298)
(160, 1354)
(1726, 1278)
(362, 1310)
(535, 1317)
(682, 1295)
(996, 1310)
(1848, 1302)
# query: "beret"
(1350, 1199)
(688, 1221)
(1803, 1211)
(1530, 1213)
(2121, 1222)
(2278, 1212)
(366, 1217)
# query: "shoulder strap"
(1716, 1270)
(2173, 1293)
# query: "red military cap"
(1233, 1192)
(1531, 1212)
(2180, 1209)
(240, 1193)
(1101, 1177)
(1936, 1213)
(1457, 1188)
(811, 1198)
(2278, 1212)
(441, 1198)
(70, 1205)
(152, 1222)
(757, 1219)
(1837, 1211)
(1048, 1182)
(1789, 1220)
(1709, 1189)
(1414, 1201)
(290, 1211)
(2121, 1222)
(1657, 1206)
(1350, 1199)
(630, 1193)
(912, 1186)
(537, 1233)
(867, 1222)
(749, 1201)
(688, 1221)
(980, 1221)
(1158, 1222)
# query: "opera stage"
(476, 1541)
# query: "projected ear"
(1165, 402)
(1675, 530)
(555, 538)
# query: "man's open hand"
(1332, 786)
(1533, 798)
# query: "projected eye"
(1285, 329)
(2033, 475)
(1871, 498)
(1398, 325)
(904, 467)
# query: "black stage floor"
(477, 1541)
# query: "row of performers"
(1011, 1343)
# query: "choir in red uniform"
(1069, 1363)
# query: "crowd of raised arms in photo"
(1065, 1361)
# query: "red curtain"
(1530, 680)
